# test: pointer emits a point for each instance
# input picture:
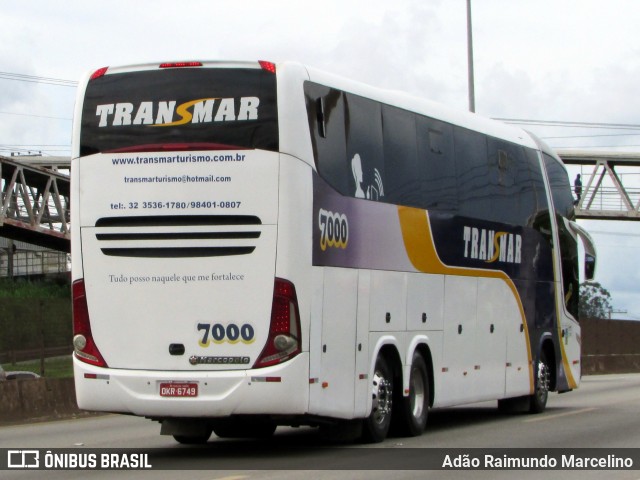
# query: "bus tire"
(514, 405)
(538, 401)
(192, 439)
(244, 428)
(414, 408)
(376, 425)
(342, 431)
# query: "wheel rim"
(544, 379)
(417, 392)
(382, 398)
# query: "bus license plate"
(178, 389)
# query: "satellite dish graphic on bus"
(374, 191)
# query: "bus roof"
(391, 97)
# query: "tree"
(595, 301)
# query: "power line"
(593, 136)
(44, 153)
(37, 79)
(39, 149)
(569, 124)
(12, 147)
(617, 234)
(37, 116)
(585, 147)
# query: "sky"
(553, 60)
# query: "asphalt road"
(603, 413)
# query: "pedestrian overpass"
(610, 184)
(34, 206)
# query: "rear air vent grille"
(177, 252)
(178, 236)
(178, 221)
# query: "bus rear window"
(195, 108)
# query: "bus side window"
(512, 191)
(524, 189)
(363, 125)
(560, 188)
(475, 188)
(325, 110)
(539, 191)
(402, 181)
(540, 219)
(436, 165)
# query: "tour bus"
(259, 244)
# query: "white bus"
(257, 245)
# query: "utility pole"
(472, 93)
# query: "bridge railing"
(609, 199)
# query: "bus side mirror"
(589, 249)
(589, 266)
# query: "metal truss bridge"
(34, 205)
(610, 184)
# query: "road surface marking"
(558, 415)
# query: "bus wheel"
(538, 401)
(376, 426)
(192, 440)
(415, 407)
(243, 428)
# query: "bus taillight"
(267, 66)
(84, 346)
(284, 331)
(180, 64)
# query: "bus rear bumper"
(278, 390)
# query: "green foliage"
(595, 301)
(37, 289)
(35, 321)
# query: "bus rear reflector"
(268, 66)
(180, 64)
(283, 342)
(84, 346)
